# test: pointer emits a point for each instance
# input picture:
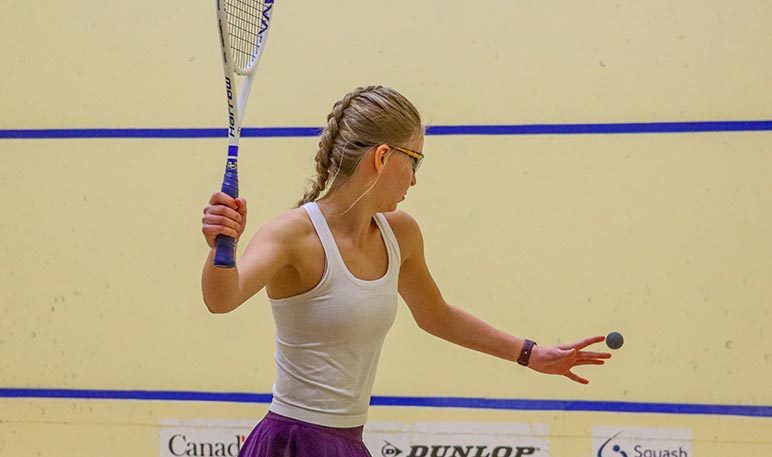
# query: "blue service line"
(421, 402)
(438, 130)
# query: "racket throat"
(233, 108)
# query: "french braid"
(363, 118)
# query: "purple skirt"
(279, 436)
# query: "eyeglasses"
(418, 158)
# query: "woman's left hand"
(563, 358)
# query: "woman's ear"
(379, 156)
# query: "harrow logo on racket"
(231, 113)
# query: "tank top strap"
(392, 245)
(334, 257)
(324, 233)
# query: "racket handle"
(224, 255)
(226, 246)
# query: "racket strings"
(245, 23)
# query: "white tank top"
(328, 340)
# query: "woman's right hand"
(224, 215)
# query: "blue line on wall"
(425, 402)
(484, 130)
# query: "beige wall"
(664, 237)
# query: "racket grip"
(224, 255)
(226, 246)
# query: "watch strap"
(525, 353)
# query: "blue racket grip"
(226, 246)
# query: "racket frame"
(225, 249)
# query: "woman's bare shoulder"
(400, 220)
(289, 226)
(407, 231)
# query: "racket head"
(243, 26)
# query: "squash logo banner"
(641, 442)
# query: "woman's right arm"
(225, 289)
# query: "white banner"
(621, 441)
(456, 439)
(203, 437)
(224, 438)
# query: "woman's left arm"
(439, 318)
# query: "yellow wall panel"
(145, 64)
(664, 237)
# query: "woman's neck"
(347, 213)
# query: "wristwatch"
(525, 353)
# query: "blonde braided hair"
(363, 118)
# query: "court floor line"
(484, 130)
(425, 402)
